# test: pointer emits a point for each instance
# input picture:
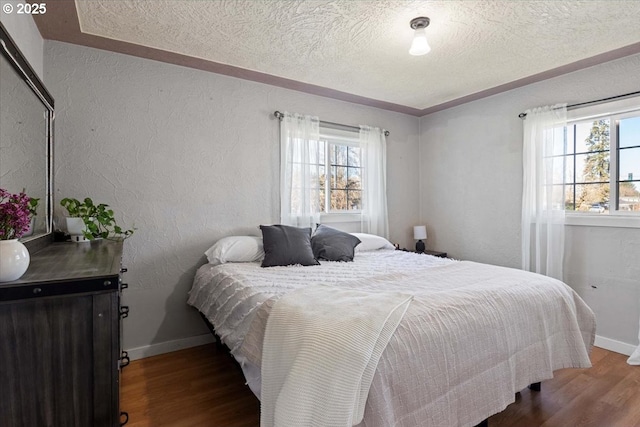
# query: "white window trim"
(598, 220)
(331, 217)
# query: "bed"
(473, 335)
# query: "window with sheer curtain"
(328, 171)
(586, 161)
(336, 161)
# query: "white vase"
(14, 260)
(76, 227)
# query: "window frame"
(573, 158)
(616, 143)
(340, 137)
(614, 111)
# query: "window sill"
(327, 218)
(597, 220)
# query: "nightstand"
(434, 253)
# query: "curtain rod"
(280, 115)
(523, 115)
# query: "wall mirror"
(26, 136)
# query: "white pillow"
(371, 242)
(236, 249)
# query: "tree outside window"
(341, 189)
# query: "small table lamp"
(419, 233)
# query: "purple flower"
(15, 215)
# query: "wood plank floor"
(203, 386)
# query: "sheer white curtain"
(373, 146)
(299, 170)
(543, 191)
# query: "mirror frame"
(19, 63)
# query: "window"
(340, 179)
(326, 171)
(602, 164)
(587, 165)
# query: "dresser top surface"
(66, 261)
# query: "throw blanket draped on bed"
(322, 345)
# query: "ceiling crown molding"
(61, 23)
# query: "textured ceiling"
(361, 47)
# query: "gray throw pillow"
(333, 245)
(285, 245)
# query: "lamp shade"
(420, 46)
(419, 232)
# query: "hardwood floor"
(203, 386)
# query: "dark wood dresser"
(60, 325)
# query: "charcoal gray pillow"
(285, 245)
(333, 245)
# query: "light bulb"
(420, 46)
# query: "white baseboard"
(613, 345)
(169, 346)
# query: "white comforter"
(473, 335)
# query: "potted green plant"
(33, 211)
(90, 221)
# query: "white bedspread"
(473, 335)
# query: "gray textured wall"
(471, 192)
(188, 157)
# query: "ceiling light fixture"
(420, 46)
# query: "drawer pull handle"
(124, 286)
(106, 283)
(124, 311)
(126, 418)
(123, 270)
(124, 359)
(37, 290)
